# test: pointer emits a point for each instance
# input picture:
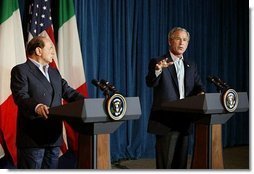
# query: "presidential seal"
(230, 100)
(116, 106)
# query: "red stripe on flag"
(50, 32)
(8, 121)
(72, 135)
(83, 89)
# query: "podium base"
(94, 151)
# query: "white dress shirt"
(178, 62)
(43, 69)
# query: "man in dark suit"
(35, 88)
(172, 78)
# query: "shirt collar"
(38, 64)
(174, 57)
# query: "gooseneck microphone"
(110, 86)
(101, 86)
(221, 86)
(224, 84)
(229, 97)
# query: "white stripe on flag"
(69, 54)
(12, 51)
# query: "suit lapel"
(187, 69)
(38, 74)
(53, 77)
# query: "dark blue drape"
(119, 37)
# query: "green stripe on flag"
(66, 11)
(7, 7)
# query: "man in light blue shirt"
(172, 78)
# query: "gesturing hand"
(163, 64)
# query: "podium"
(208, 114)
(94, 126)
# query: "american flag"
(40, 22)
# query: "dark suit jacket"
(29, 88)
(165, 87)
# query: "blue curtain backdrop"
(119, 37)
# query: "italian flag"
(69, 57)
(12, 52)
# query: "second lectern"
(208, 113)
(89, 118)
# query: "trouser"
(172, 150)
(38, 158)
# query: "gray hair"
(173, 30)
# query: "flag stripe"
(8, 120)
(8, 7)
(12, 52)
(70, 58)
(69, 53)
(83, 89)
(66, 10)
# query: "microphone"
(110, 86)
(221, 86)
(222, 82)
(102, 86)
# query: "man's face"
(179, 42)
(48, 52)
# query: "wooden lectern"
(208, 114)
(94, 126)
